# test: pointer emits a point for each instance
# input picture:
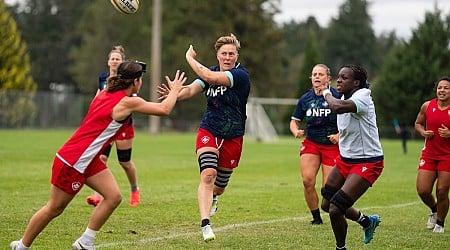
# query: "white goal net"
(259, 126)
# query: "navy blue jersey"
(103, 80)
(225, 112)
(320, 121)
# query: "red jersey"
(436, 147)
(97, 131)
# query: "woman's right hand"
(176, 84)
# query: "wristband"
(325, 92)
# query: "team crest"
(422, 162)
(76, 185)
(205, 139)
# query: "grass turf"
(263, 207)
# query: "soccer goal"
(259, 126)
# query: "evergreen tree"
(16, 108)
(47, 27)
(312, 57)
(408, 76)
(351, 39)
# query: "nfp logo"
(213, 92)
(318, 112)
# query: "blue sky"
(387, 15)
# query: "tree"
(251, 21)
(294, 47)
(16, 109)
(312, 57)
(351, 39)
(47, 26)
(408, 76)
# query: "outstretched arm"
(137, 104)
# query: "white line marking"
(238, 225)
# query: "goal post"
(259, 126)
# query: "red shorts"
(434, 165)
(229, 149)
(69, 179)
(126, 133)
(368, 170)
(327, 153)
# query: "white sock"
(88, 237)
(22, 246)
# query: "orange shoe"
(93, 199)
(135, 198)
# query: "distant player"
(433, 123)
(319, 148)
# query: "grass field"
(263, 207)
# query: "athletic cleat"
(316, 222)
(370, 230)
(438, 229)
(214, 205)
(78, 246)
(93, 199)
(208, 234)
(135, 198)
(431, 221)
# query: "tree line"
(67, 43)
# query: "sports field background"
(263, 207)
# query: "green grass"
(263, 207)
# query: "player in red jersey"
(433, 123)
(78, 161)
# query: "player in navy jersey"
(124, 141)
(220, 136)
(361, 159)
(321, 136)
(433, 123)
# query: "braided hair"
(360, 74)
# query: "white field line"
(238, 225)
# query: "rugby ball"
(126, 6)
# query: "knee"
(309, 182)
(340, 203)
(442, 193)
(208, 176)
(325, 205)
(127, 165)
(423, 192)
(114, 199)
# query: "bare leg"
(105, 184)
(128, 166)
(442, 188)
(55, 206)
(424, 185)
(309, 167)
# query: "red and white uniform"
(436, 147)
(96, 132)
